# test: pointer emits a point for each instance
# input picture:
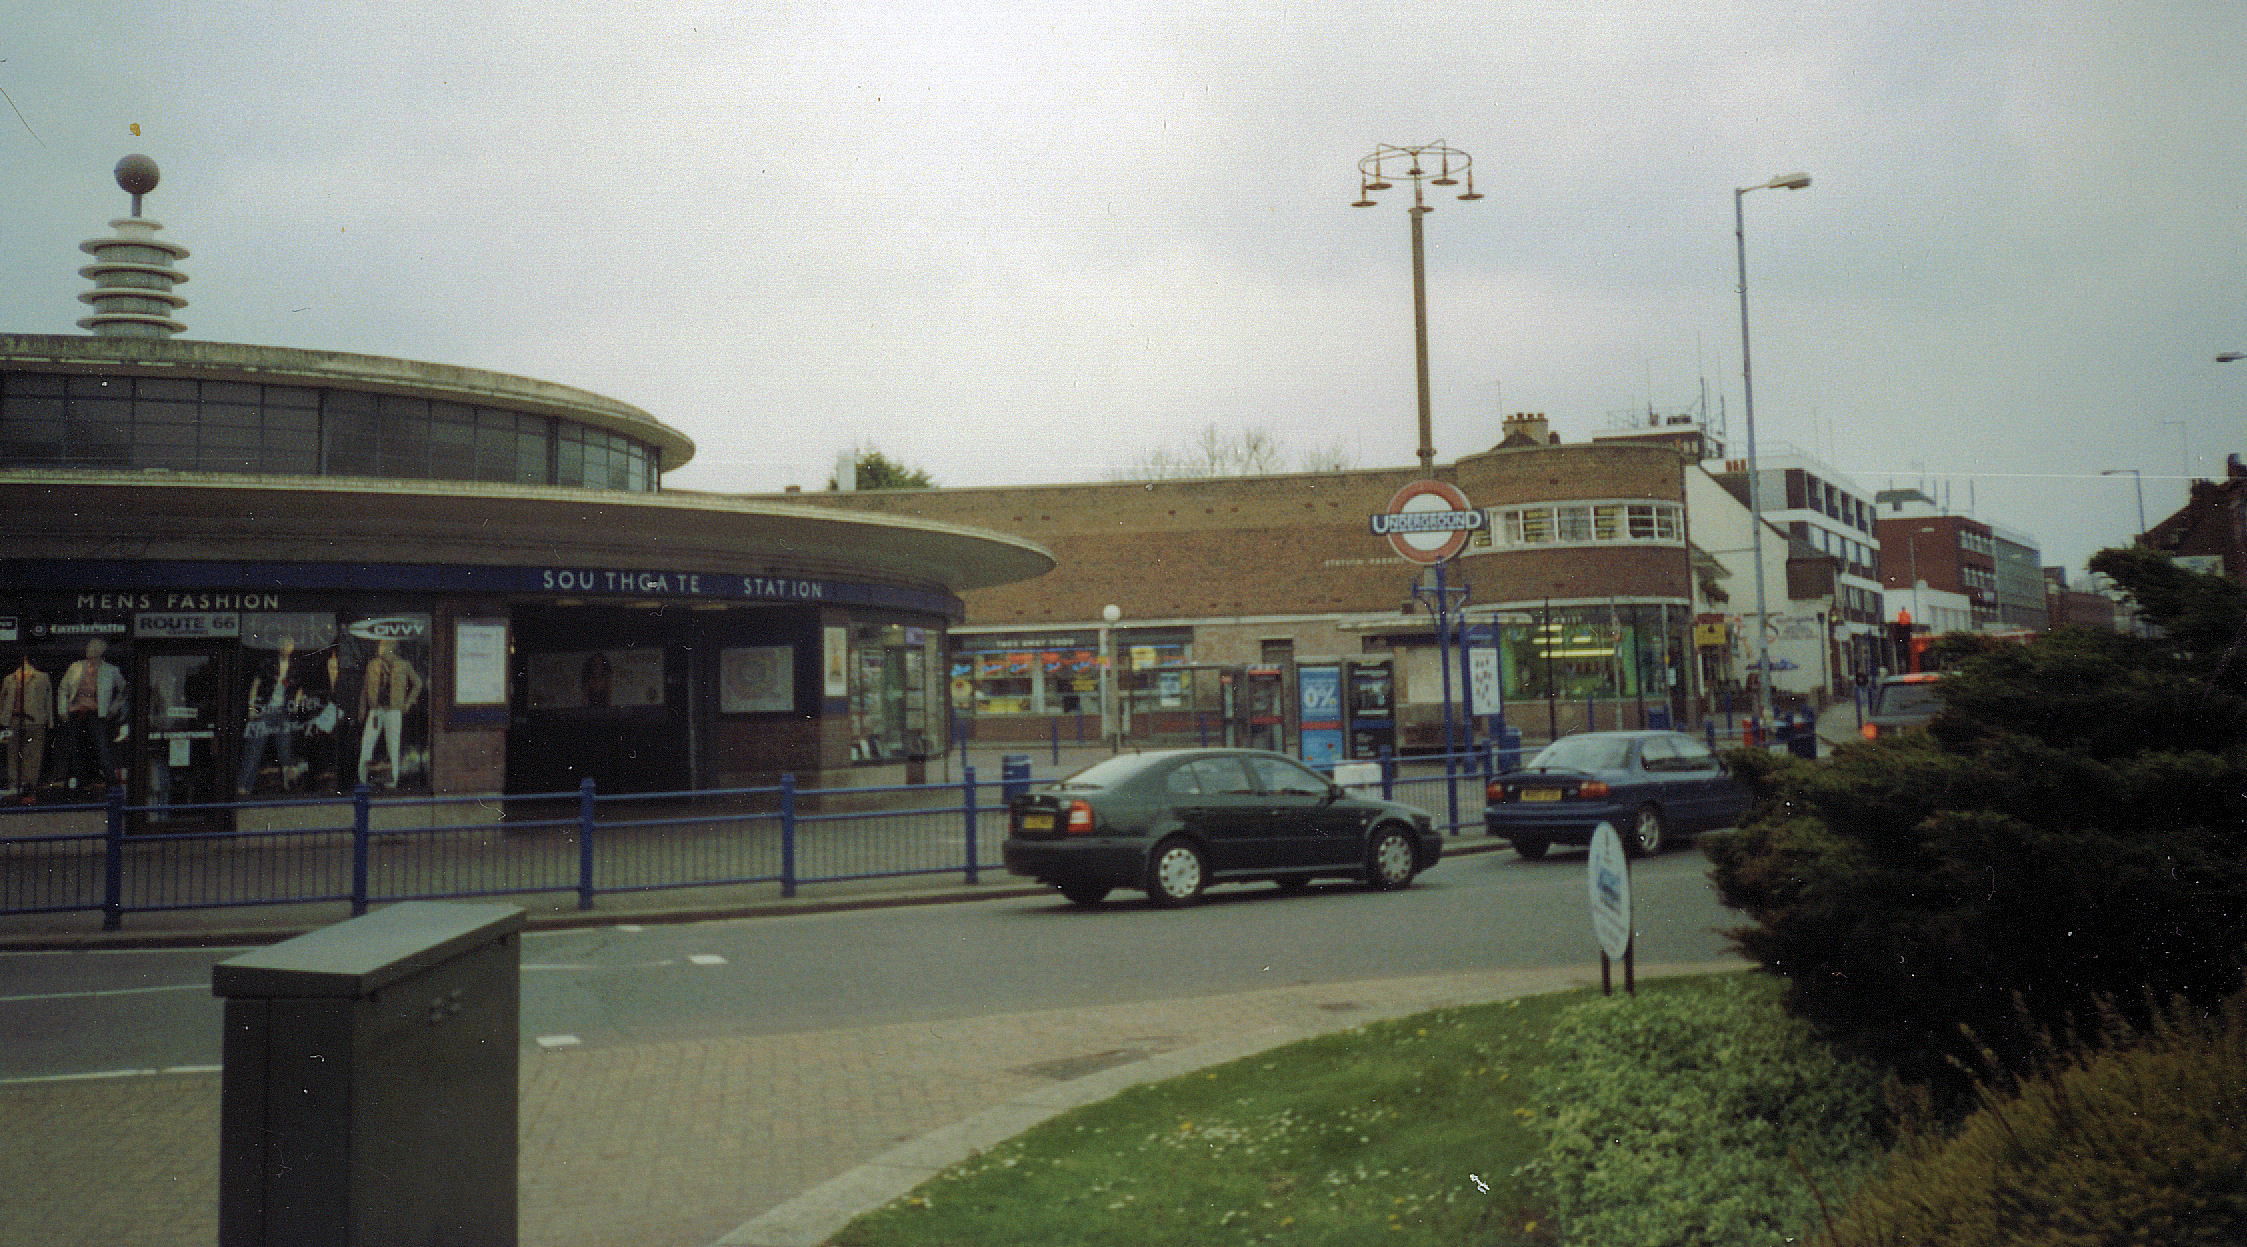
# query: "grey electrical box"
(368, 1094)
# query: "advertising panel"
(1319, 698)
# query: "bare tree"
(1254, 451)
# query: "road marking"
(581, 966)
(106, 1074)
(706, 959)
(551, 1042)
(114, 991)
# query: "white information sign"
(1609, 878)
(1482, 680)
(480, 662)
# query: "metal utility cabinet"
(369, 1092)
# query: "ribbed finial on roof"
(132, 270)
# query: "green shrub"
(1680, 1117)
(2051, 841)
(2137, 1141)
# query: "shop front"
(197, 683)
(1026, 686)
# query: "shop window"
(889, 693)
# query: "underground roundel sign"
(1428, 521)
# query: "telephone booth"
(1369, 704)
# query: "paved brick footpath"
(680, 1144)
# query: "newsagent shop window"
(888, 668)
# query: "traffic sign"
(1609, 878)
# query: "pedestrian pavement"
(772, 1140)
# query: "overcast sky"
(1031, 242)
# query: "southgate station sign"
(1428, 521)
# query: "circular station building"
(242, 570)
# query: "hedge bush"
(1678, 1118)
(2051, 842)
(2131, 1141)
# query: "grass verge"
(1407, 1132)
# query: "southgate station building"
(234, 569)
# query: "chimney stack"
(1530, 425)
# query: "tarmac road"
(757, 1081)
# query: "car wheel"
(1646, 838)
(1085, 893)
(1176, 873)
(1390, 861)
(1531, 850)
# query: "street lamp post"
(1785, 181)
(1109, 614)
(1374, 173)
(2138, 478)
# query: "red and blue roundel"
(1428, 521)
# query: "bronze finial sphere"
(137, 174)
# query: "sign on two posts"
(1609, 879)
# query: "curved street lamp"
(1374, 174)
(2139, 478)
(1786, 182)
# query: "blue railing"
(358, 851)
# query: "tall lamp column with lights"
(1374, 173)
(1109, 614)
(1787, 182)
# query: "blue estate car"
(1653, 786)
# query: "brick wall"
(1288, 545)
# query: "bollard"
(368, 1091)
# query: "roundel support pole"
(1443, 660)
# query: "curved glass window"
(1581, 524)
(54, 420)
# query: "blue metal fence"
(358, 851)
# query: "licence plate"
(1037, 822)
(1540, 794)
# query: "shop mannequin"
(27, 710)
(390, 688)
(271, 692)
(90, 700)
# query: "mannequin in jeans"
(391, 688)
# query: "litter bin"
(368, 1093)
(1802, 737)
(1014, 776)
